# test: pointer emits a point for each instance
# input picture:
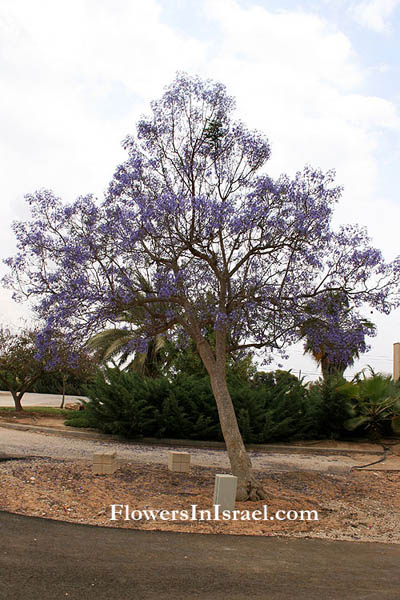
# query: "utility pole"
(396, 361)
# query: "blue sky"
(377, 49)
(321, 79)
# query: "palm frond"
(109, 343)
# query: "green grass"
(41, 410)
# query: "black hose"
(376, 462)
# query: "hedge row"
(274, 406)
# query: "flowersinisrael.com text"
(124, 512)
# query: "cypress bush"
(272, 407)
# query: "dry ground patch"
(352, 506)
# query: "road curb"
(59, 432)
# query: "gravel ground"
(28, 443)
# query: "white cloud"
(74, 77)
(374, 14)
(299, 80)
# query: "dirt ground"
(357, 505)
(31, 418)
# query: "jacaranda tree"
(223, 245)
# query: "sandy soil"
(361, 506)
(31, 418)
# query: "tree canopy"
(196, 234)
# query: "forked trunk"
(248, 487)
(17, 400)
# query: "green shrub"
(375, 405)
(125, 403)
(191, 397)
(81, 418)
(286, 411)
(331, 407)
(275, 406)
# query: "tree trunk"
(64, 379)
(248, 488)
(17, 400)
(215, 363)
(330, 370)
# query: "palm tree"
(374, 403)
(334, 334)
(115, 345)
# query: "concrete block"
(179, 462)
(109, 457)
(104, 457)
(225, 491)
(104, 469)
(97, 469)
(104, 463)
(109, 469)
(182, 468)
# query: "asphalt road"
(49, 560)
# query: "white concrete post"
(225, 491)
(396, 361)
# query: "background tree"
(30, 355)
(20, 365)
(221, 244)
(335, 334)
(69, 362)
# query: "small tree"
(70, 362)
(20, 365)
(221, 244)
(28, 355)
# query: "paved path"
(50, 560)
(30, 399)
